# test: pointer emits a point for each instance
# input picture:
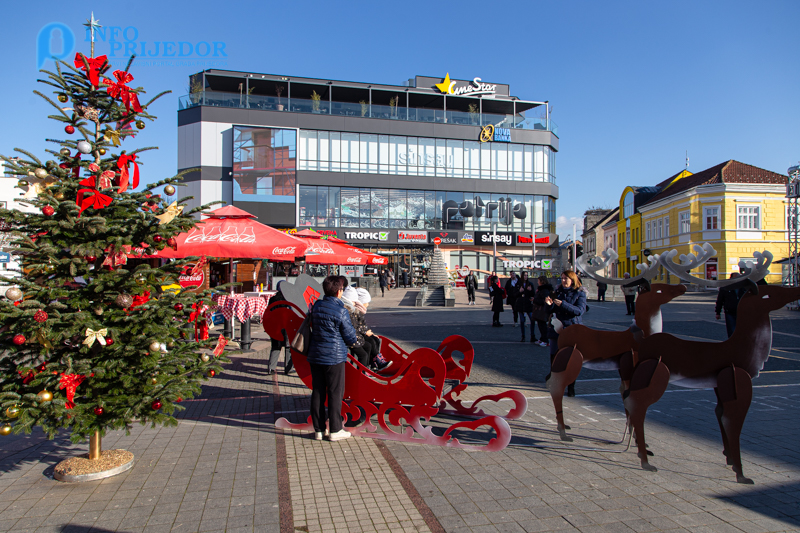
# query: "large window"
(264, 165)
(350, 207)
(711, 218)
(684, 222)
(748, 217)
(421, 156)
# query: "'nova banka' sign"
(505, 211)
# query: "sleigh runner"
(416, 386)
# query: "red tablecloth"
(239, 306)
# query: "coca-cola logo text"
(287, 250)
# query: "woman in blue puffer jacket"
(331, 334)
(568, 303)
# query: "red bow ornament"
(122, 163)
(93, 197)
(140, 299)
(96, 66)
(119, 90)
(200, 324)
(116, 257)
(70, 382)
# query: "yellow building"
(629, 227)
(737, 208)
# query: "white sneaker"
(340, 435)
(318, 434)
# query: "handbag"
(539, 312)
(302, 339)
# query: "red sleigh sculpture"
(415, 387)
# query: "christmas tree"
(89, 342)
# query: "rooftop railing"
(324, 107)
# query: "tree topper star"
(92, 23)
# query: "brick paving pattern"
(220, 469)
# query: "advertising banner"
(487, 238)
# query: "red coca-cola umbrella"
(333, 251)
(232, 232)
(372, 259)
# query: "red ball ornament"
(70, 129)
(40, 316)
(172, 242)
(98, 411)
(158, 238)
(156, 405)
(178, 400)
(212, 373)
(90, 258)
(63, 165)
(48, 211)
(42, 367)
(19, 339)
(109, 342)
(178, 307)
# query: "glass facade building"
(411, 161)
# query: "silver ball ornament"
(169, 190)
(14, 294)
(40, 173)
(155, 346)
(84, 147)
(205, 358)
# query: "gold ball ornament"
(169, 190)
(155, 346)
(23, 183)
(101, 151)
(62, 98)
(140, 124)
(45, 396)
(5, 430)
(140, 281)
(154, 380)
(205, 358)
(124, 300)
(59, 196)
(98, 311)
(64, 152)
(12, 412)
(49, 163)
(40, 173)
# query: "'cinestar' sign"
(474, 88)
(544, 264)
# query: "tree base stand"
(81, 468)
(94, 465)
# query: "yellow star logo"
(446, 86)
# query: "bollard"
(227, 328)
(245, 340)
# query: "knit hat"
(363, 295)
(350, 293)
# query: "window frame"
(748, 216)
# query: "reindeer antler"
(592, 266)
(704, 253)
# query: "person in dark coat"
(513, 287)
(728, 300)
(405, 278)
(568, 303)
(543, 291)
(383, 280)
(497, 295)
(524, 305)
(471, 283)
(331, 333)
(276, 346)
(601, 291)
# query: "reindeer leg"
(735, 394)
(564, 370)
(649, 381)
(718, 412)
(626, 369)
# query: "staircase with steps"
(437, 291)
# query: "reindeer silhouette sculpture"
(608, 350)
(727, 366)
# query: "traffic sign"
(437, 241)
(5, 257)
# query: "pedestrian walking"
(405, 278)
(512, 292)
(539, 312)
(471, 283)
(568, 303)
(496, 294)
(630, 296)
(601, 291)
(525, 305)
(331, 333)
(383, 280)
(728, 300)
(390, 279)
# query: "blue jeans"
(522, 316)
(730, 324)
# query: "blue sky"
(633, 85)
